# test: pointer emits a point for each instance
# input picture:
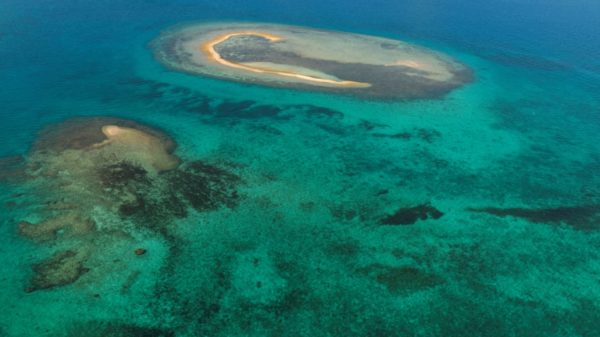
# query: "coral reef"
(12, 169)
(401, 280)
(426, 135)
(204, 186)
(304, 58)
(61, 269)
(119, 175)
(152, 202)
(121, 169)
(586, 217)
(115, 329)
(68, 224)
(410, 215)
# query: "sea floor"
(476, 214)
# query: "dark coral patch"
(585, 217)
(12, 169)
(426, 135)
(401, 280)
(204, 186)
(399, 135)
(121, 174)
(153, 209)
(248, 110)
(264, 111)
(313, 110)
(410, 215)
(348, 248)
(151, 202)
(231, 111)
(115, 329)
(230, 108)
(61, 269)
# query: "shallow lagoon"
(475, 213)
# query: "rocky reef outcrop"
(61, 269)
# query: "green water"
(305, 251)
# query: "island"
(313, 59)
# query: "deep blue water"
(511, 160)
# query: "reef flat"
(104, 183)
(304, 58)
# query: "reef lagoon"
(363, 168)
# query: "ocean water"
(497, 183)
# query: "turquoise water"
(510, 161)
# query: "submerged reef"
(11, 169)
(107, 176)
(410, 215)
(71, 223)
(304, 58)
(203, 186)
(585, 217)
(401, 279)
(196, 185)
(114, 329)
(61, 269)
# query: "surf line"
(209, 49)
